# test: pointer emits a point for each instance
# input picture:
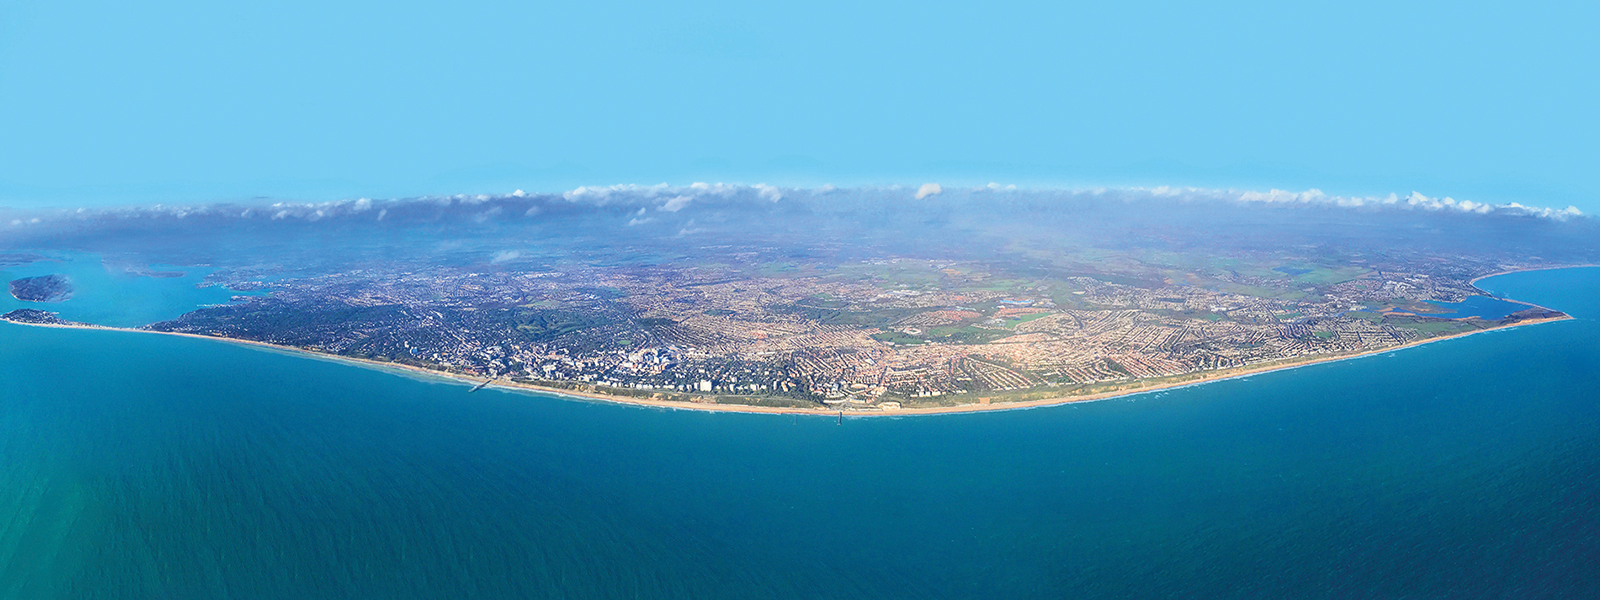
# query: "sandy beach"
(1135, 387)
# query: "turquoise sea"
(145, 466)
(118, 294)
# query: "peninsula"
(853, 301)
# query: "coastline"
(400, 369)
(1474, 281)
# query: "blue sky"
(182, 102)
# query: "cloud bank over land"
(956, 222)
(636, 201)
(1414, 200)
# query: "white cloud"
(1548, 213)
(602, 195)
(718, 189)
(486, 215)
(675, 204)
(769, 192)
(1277, 196)
(1414, 200)
(585, 192)
(636, 202)
(504, 256)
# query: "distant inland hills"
(44, 288)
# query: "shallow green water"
(143, 466)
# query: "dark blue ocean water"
(144, 466)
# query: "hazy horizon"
(913, 190)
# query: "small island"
(44, 288)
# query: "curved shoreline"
(562, 393)
(400, 369)
(1474, 281)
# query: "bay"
(1482, 307)
(116, 294)
(144, 466)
